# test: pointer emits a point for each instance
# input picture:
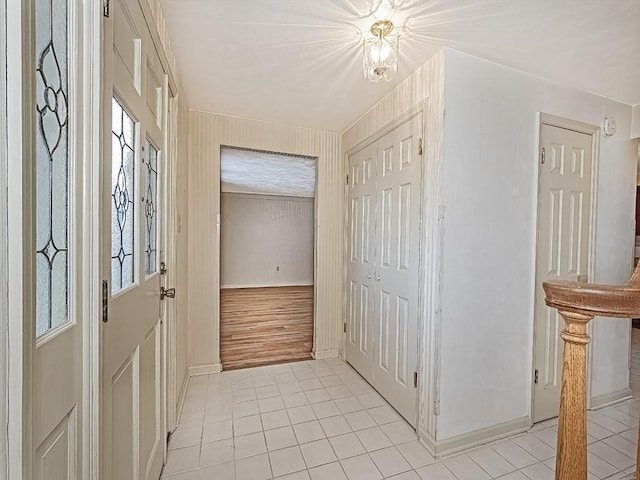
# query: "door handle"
(167, 292)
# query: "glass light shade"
(380, 57)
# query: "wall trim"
(4, 260)
(326, 354)
(481, 436)
(259, 285)
(427, 441)
(196, 370)
(182, 396)
(609, 399)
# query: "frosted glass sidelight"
(52, 165)
(123, 198)
(150, 209)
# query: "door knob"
(167, 292)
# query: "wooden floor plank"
(264, 326)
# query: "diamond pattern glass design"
(150, 209)
(52, 165)
(123, 197)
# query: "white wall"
(490, 189)
(635, 124)
(207, 132)
(265, 240)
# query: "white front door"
(383, 269)
(132, 400)
(54, 229)
(564, 205)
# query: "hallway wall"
(207, 132)
(490, 200)
(266, 240)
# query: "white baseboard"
(182, 395)
(479, 437)
(428, 442)
(326, 354)
(196, 370)
(263, 285)
(609, 399)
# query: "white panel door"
(132, 402)
(397, 239)
(56, 251)
(360, 268)
(383, 269)
(563, 249)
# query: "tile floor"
(318, 420)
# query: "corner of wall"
(635, 122)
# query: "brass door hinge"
(105, 9)
(344, 327)
(535, 377)
(419, 146)
(542, 156)
(347, 179)
(415, 379)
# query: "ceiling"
(262, 173)
(299, 62)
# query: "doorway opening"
(267, 238)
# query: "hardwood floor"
(264, 326)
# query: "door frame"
(218, 250)
(4, 253)
(169, 311)
(427, 377)
(594, 132)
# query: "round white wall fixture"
(609, 126)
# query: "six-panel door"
(383, 264)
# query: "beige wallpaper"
(207, 132)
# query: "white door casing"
(564, 211)
(383, 267)
(132, 343)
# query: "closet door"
(383, 269)
(360, 269)
(397, 240)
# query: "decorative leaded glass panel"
(123, 199)
(52, 165)
(150, 198)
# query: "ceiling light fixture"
(380, 52)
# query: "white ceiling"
(299, 61)
(248, 171)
